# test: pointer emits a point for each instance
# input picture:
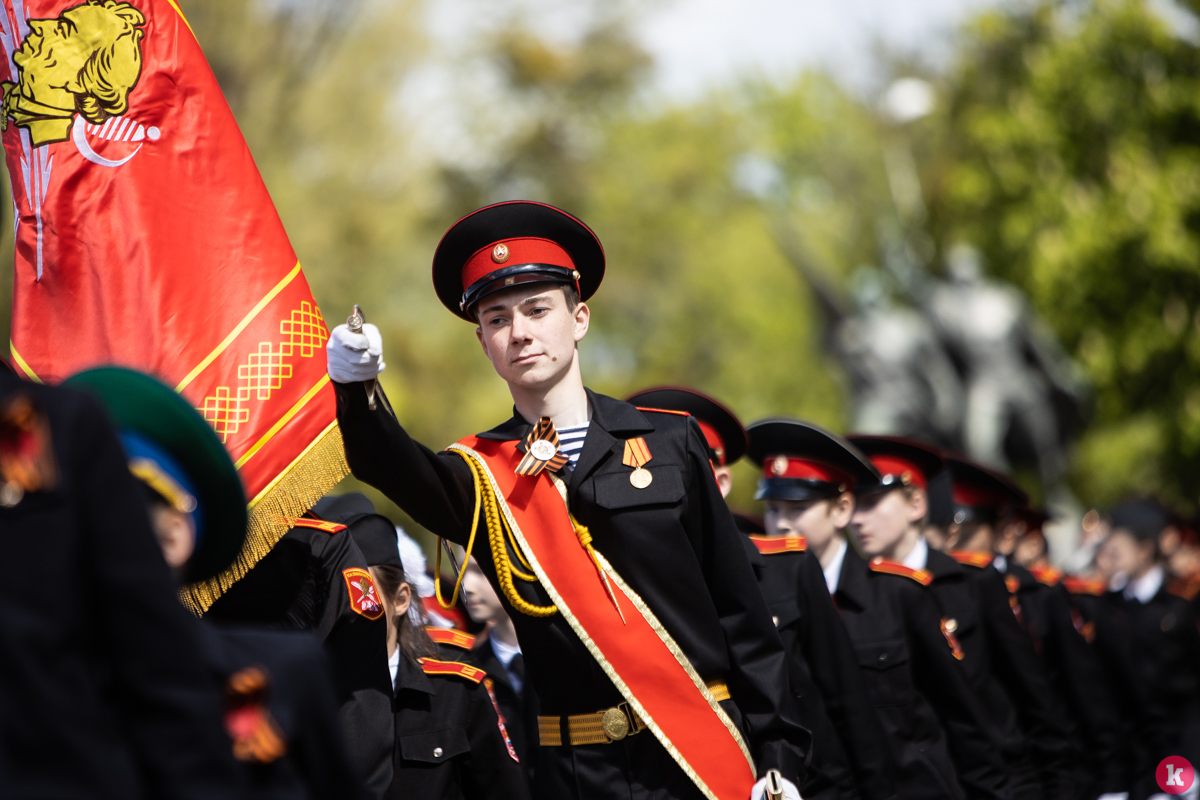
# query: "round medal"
(640, 478)
(542, 450)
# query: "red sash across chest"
(639, 656)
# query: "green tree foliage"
(1068, 149)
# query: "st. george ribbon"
(145, 237)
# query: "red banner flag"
(145, 237)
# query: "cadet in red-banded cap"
(807, 484)
(907, 645)
(979, 589)
(600, 526)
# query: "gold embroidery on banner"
(265, 370)
(569, 616)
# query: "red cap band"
(906, 472)
(511, 253)
(976, 497)
(714, 439)
(805, 470)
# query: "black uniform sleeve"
(758, 679)
(169, 701)
(939, 677)
(435, 489)
(1016, 665)
(490, 773)
(834, 667)
(1087, 692)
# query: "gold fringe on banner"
(318, 469)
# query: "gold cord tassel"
(485, 499)
(585, 539)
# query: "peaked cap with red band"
(901, 461)
(722, 430)
(514, 242)
(802, 462)
(980, 494)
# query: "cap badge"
(779, 465)
(500, 253)
(906, 477)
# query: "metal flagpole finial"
(355, 323)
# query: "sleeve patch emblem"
(363, 597)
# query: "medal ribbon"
(531, 464)
(636, 453)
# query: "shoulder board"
(773, 545)
(451, 637)
(318, 524)
(431, 666)
(892, 568)
(1187, 588)
(1077, 585)
(1046, 575)
(664, 411)
(980, 560)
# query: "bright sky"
(697, 43)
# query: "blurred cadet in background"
(1149, 644)
(450, 742)
(316, 579)
(103, 687)
(906, 645)
(973, 587)
(280, 707)
(498, 653)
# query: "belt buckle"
(617, 722)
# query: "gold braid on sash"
(498, 533)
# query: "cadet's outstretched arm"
(435, 489)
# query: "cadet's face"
(1031, 549)
(881, 520)
(175, 533)
(1122, 553)
(818, 521)
(529, 334)
(482, 602)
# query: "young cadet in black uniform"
(103, 690)
(1100, 768)
(907, 646)
(1148, 641)
(804, 515)
(316, 579)
(280, 707)
(982, 501)
(643, 630)
(1000, 659)
(821, 662)
(450, 741)
(497, 652)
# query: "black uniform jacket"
(1152, 650)
(920, 691)
(1004, 670)
(303, 706)
(519, 709)
(833, 697)
(1078, 681)
(103, 687)
(675, 543)
(299, 585)
(449, 745)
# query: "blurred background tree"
(1062, 144)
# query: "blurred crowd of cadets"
(1063, 143)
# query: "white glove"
(790, 792)
(354, 357)
(1114, 796)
